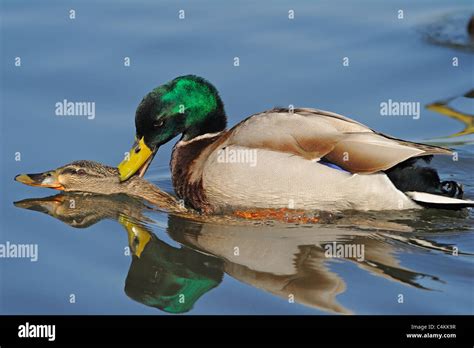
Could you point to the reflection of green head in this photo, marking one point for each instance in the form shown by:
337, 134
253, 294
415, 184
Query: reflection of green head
171, 279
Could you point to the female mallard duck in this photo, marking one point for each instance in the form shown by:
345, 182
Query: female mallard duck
93, 177
303, 158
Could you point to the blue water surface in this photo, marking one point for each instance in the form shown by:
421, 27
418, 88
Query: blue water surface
282, 61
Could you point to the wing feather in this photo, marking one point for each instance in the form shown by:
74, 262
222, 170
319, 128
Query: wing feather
314, 134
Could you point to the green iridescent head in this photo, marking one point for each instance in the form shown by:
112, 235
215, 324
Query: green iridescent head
188, 105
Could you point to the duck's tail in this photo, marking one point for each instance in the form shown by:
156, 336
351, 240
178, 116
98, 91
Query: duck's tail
430, 200
423, 185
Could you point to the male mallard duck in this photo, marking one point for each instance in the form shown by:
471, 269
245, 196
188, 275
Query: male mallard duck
302, 158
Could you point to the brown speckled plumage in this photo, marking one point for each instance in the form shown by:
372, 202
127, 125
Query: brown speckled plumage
94, 177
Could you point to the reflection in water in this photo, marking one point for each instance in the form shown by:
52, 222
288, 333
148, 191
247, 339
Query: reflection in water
168, 278
442, 107
160, 275
470, 27
81, 210
451, 30
288, 262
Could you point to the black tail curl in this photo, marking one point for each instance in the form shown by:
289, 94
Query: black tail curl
412, 175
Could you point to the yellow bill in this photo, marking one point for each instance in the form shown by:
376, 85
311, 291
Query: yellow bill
139, 158
138, 236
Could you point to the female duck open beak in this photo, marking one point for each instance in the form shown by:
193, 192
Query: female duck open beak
138, 160
46, 179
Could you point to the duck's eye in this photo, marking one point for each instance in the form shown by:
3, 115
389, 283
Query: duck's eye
81, 172
69, 171
159, 123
